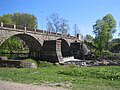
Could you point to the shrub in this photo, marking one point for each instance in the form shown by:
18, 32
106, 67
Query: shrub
4, 51
105, 54
45, 64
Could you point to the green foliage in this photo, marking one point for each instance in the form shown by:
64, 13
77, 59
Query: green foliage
45, 64
110, 73
85, 78
89, 38
103, 30
113, 56
114, 45
4, 50
90, 45
11, 44
109, 19
116, 41
6, 18
22, 19
106, 54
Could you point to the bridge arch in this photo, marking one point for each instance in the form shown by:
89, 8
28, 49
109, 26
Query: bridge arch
65, 47
35, 46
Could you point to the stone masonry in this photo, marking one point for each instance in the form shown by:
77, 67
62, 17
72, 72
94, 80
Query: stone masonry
43, 45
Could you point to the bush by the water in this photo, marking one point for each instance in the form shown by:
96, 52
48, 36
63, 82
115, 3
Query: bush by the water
110, 56
107, 55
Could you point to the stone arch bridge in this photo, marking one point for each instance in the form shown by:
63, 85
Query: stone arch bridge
43, 45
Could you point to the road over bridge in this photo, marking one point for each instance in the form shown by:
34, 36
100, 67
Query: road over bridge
43, 45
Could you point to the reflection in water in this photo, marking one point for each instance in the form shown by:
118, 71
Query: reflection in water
19, 56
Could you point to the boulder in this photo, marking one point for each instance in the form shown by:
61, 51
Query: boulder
28, 65
3, 58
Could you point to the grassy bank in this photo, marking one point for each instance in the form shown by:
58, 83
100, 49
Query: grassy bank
85, 78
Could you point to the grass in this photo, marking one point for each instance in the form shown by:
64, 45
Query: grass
85, 78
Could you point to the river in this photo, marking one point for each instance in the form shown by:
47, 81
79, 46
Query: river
16, 56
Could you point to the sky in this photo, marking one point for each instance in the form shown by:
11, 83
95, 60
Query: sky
84, 13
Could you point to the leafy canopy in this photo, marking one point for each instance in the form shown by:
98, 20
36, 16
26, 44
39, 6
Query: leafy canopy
22, 19
104, 30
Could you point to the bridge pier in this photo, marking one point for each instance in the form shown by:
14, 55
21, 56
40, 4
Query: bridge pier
52, 51
78, 50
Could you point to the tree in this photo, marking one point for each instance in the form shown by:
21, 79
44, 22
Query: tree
109, 19
22, 19
50, 26
76, 30
54, 22
88, 38
6, 18
104, 30
64, 27
25, 19
12, 44
57, 24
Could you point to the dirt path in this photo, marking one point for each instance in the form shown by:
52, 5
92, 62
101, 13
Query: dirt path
4, 85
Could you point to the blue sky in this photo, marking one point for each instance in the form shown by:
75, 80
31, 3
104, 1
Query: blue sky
84, 13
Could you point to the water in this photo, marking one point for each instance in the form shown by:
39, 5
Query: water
18, 56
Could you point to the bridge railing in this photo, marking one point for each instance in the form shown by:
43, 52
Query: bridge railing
19, 27
8, 26
13, 26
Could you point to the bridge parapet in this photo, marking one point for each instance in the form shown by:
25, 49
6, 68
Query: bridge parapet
33, 30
